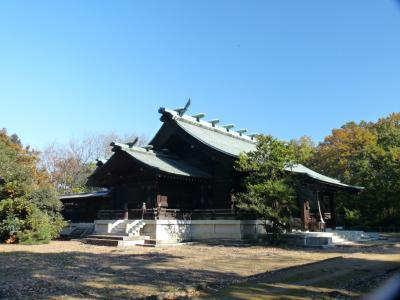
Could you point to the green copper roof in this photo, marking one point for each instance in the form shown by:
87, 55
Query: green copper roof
217, 137
233, 143
298, 168
162, 162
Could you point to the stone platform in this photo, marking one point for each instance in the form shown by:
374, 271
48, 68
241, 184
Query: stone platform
178, 231
117, 240
329, 238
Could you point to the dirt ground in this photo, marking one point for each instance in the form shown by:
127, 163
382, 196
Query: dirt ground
72, 270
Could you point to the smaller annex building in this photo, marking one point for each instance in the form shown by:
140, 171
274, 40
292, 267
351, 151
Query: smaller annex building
185, 176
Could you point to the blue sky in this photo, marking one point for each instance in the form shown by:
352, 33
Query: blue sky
287, 68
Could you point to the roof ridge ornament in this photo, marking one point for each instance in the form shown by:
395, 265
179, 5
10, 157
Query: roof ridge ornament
241, 131
133, 143
253, 135
213, 122
117, 146
199, 116
181, 110
99, 162
148, 147
228, 126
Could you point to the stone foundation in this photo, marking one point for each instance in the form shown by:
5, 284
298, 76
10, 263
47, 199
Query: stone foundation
175, 231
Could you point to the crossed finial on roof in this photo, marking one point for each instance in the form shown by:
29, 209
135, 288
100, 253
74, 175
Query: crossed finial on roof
181, 111
133, 143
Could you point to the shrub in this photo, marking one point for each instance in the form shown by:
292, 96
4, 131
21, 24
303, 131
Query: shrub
10, 225
352, 217
38, 229
32, 224
13, 213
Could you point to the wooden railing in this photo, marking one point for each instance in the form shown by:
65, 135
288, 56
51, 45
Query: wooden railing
168, 213
326, 216
133, 214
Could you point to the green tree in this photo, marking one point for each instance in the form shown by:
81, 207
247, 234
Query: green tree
268, 188
304, 149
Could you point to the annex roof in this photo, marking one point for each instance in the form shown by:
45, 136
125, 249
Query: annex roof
222, 139
162, 162
300, 169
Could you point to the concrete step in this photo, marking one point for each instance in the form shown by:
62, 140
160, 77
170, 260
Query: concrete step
150, 242
147, 245
354, 235
102, 242
349, 236
118, 237
77, 232
115, 240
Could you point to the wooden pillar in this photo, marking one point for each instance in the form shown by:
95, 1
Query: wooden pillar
233, 202
305, 215
126, 212
332, 207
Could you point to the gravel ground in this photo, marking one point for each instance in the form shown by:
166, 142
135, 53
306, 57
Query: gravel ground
72, 270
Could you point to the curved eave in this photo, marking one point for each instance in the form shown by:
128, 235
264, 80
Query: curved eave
317, 177
342, 186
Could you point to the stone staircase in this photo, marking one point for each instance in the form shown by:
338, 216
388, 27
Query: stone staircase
149, 243
123, 233
76, 232
115, 240
343, 237
330, 238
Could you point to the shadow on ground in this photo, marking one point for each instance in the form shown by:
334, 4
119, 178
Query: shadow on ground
105, 276
343, 278
118, 274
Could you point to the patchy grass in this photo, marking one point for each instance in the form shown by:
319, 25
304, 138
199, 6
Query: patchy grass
69, 269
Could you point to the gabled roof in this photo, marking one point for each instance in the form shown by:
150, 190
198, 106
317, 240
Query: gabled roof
300, 169
224, 140
216, 137
162, 162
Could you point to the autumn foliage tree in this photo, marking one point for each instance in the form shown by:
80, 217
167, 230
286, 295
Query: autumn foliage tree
29, 206
366, 154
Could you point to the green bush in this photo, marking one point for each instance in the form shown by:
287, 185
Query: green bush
13, 213
46, 201
352, 217
33, 223
38, 229
10, 225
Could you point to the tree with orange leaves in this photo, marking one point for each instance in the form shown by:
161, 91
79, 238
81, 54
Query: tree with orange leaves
366, 154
